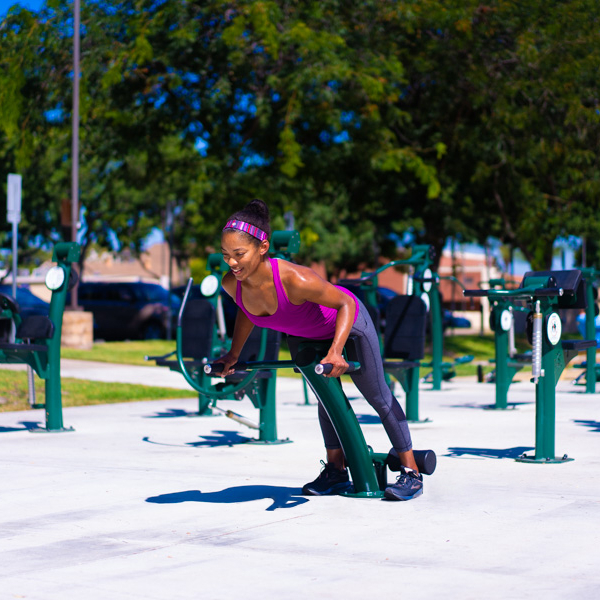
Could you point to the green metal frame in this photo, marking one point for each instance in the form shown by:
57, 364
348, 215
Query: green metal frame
409, 378
590, 275
507, 366
260, 391
424, 282
544, 297
420, 259
329, 391
46, 364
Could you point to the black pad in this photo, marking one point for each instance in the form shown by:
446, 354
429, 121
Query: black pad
570, 281
406, 321
36, 327
426, 461
20, 348
578, 344
251, 348
197, 326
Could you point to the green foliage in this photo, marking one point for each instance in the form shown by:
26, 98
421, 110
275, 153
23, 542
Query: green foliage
364, 118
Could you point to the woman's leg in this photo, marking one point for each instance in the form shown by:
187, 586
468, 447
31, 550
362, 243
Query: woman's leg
333, 447
370, 380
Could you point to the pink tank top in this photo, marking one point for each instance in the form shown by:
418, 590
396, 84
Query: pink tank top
309, 320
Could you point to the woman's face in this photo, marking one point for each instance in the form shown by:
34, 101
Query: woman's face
241, 253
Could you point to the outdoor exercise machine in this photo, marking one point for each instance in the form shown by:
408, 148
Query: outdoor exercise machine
545, 292
38, 337
368, 468
202, 333
428, 287
506, 359
403, 347
423, 283
591, 372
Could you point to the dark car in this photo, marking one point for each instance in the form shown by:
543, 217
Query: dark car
29, 305
28, 302
450, 320
128, 310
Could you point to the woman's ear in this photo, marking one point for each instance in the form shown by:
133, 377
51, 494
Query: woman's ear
264, 247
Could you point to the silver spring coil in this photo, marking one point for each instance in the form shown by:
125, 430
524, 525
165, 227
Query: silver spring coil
512, 350
536, 360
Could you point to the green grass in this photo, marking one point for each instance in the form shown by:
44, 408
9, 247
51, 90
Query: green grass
133, 352
78, 392
128, 353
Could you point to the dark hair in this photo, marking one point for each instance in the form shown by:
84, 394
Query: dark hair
256, 212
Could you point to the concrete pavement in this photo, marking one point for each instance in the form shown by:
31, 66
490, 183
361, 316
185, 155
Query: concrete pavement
144, 502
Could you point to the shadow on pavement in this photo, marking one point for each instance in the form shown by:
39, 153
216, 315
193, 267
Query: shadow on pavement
170, 413
221, 438
510, 405
488, 452
593, 425
283, 497
27, 426
368, 419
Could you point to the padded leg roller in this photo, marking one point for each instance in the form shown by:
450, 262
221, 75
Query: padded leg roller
426, 461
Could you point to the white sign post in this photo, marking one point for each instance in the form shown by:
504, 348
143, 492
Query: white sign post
13, 215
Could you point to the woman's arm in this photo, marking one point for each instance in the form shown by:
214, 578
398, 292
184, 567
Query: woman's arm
304, 285
241, 331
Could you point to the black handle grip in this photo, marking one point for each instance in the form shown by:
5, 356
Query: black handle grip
217, 368
475, 293
213, 369
326, 368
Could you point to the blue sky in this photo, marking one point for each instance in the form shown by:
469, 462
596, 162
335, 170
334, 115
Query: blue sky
32, 4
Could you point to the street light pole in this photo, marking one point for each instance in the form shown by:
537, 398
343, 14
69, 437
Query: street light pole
75, 137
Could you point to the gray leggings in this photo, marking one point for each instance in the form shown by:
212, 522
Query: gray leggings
370, 381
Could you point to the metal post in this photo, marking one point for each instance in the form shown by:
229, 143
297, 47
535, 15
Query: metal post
503, 378
75, 137
169, 230
552, 365
412, 395
64, 254
268, 411
15, 239
590, 334
437, 337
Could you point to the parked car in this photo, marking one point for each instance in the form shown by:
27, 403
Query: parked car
29, 305
128, 310
28, 302
451, 320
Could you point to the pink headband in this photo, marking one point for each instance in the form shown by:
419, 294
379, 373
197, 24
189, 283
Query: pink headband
254, 231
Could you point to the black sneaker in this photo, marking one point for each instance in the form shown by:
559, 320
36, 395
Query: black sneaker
408, 486
330, 481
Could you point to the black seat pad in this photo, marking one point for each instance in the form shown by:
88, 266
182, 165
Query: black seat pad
406, 320
36, 327
23, 347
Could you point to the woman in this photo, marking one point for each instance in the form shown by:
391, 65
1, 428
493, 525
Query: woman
293, 299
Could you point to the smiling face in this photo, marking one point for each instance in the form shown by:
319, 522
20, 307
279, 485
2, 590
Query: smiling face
242, 253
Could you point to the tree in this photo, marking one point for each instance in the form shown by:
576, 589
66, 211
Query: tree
363, 118
510, 90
